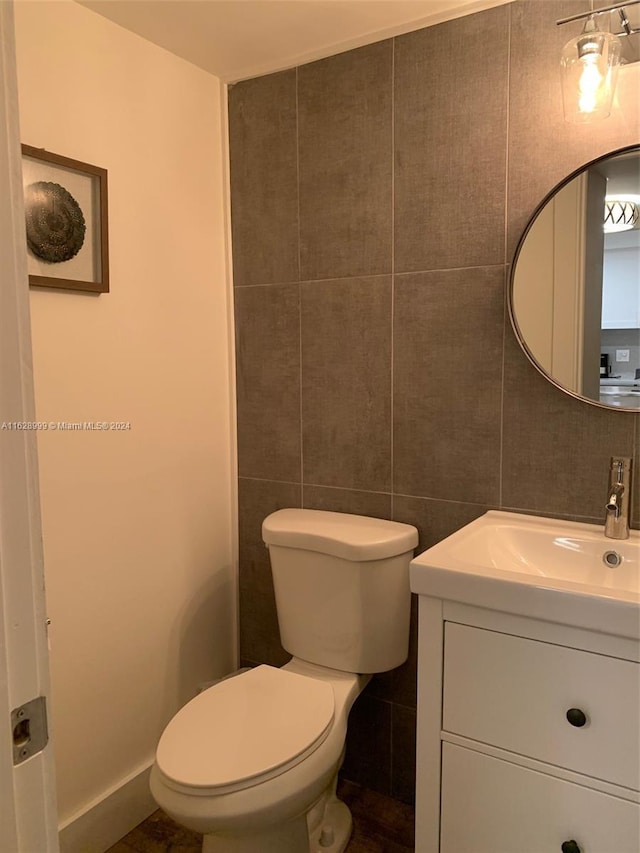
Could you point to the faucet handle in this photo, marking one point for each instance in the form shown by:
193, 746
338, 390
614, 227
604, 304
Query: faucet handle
619, 465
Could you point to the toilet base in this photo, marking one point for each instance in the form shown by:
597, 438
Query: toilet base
333, 835
291, 837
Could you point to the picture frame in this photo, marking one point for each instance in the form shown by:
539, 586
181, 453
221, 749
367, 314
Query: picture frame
66, 221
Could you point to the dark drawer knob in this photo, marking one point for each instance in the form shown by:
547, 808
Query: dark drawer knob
570, 847
577, 718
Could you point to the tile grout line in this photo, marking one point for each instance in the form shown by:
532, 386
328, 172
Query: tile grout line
505, 283
368, 276
300, 383
298, 171
393, 270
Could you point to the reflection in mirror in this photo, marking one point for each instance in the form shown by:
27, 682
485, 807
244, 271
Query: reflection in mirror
575, 287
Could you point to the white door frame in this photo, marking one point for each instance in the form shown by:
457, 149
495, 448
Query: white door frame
28, 819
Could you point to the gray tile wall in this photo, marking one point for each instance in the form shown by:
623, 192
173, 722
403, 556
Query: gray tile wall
377, 198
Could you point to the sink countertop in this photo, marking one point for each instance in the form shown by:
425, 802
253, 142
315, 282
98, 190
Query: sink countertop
537, 567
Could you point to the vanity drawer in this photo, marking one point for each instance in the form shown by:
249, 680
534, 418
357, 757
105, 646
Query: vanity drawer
493, 806
514, 693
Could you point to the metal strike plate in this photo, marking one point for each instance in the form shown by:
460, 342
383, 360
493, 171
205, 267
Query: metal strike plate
29, 729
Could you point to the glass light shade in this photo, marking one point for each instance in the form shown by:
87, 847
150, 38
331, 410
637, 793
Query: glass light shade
589, 66
621, 214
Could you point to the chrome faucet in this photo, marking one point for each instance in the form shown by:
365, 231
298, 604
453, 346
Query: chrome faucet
616, 522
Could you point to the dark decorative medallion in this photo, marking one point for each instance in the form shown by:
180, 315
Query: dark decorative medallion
55, 223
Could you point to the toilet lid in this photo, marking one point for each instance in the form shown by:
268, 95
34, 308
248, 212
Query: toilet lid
256, 724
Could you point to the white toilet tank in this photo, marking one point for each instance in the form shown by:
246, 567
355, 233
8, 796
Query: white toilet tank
342, 587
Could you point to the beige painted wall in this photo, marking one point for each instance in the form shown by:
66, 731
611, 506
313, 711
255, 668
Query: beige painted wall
138, 524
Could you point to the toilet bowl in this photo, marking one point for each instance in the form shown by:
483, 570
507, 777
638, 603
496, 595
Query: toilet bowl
277, 794
252, 762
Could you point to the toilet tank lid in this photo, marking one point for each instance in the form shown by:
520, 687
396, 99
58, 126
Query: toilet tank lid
351, 537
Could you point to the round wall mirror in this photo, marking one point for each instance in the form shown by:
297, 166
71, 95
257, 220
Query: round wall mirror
574, 298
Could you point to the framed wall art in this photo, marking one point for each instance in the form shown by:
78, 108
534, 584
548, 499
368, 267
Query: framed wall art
65, 205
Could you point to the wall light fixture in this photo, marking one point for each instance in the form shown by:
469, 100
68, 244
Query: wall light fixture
621, 213
590, 62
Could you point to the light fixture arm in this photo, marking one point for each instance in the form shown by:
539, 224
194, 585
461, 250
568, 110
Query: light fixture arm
627, 30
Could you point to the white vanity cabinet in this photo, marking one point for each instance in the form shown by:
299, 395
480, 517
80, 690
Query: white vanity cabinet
491, 805
528, 735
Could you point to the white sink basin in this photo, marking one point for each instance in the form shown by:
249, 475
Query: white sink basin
561, 571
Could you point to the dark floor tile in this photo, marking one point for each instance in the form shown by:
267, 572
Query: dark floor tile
363, 841
121, 847
159, 834
380, 823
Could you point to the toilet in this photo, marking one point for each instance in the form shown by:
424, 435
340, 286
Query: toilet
252, 762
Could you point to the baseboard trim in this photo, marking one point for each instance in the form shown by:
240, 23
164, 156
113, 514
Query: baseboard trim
109, 817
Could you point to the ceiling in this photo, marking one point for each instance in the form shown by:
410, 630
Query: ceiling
236, 39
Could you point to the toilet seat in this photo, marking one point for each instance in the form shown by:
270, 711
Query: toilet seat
245, 730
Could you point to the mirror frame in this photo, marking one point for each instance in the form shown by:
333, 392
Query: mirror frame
514, 323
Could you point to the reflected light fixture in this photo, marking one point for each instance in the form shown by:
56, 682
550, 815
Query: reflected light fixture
621, 213
590, 62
